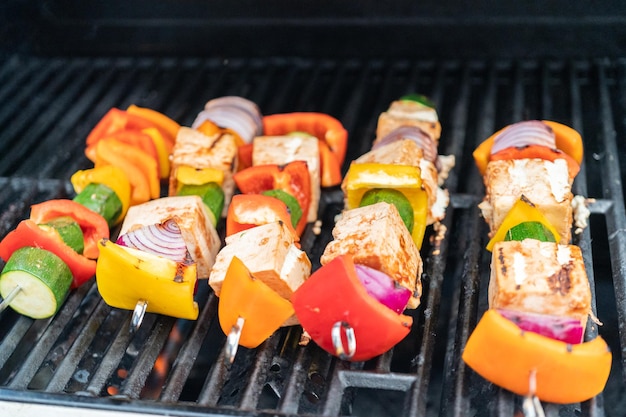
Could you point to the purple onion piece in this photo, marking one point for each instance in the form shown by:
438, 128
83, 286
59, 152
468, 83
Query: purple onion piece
163, 239
530, 132
417, 135
384, 289
236, 113
565, 329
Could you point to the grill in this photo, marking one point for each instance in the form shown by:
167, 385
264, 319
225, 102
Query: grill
86, 358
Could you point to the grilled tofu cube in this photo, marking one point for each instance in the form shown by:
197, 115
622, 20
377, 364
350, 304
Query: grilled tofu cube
375, 236
269, 253
539, 277
408, 113
545, 183
192, 217
284, 149
197, 150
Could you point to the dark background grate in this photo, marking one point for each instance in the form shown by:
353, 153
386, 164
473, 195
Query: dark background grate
85, 355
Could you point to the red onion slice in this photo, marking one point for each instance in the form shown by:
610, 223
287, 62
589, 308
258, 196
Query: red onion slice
417, 135
384, 289
565, 329
163, 239
530, 132
232, 112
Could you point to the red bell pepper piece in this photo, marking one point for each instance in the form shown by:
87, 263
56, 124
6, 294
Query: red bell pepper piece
539, 152
28, 233
93, 225
376, 327
249, 210
292, 178
330, 132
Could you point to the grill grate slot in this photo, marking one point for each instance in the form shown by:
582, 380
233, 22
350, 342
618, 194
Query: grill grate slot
86, 356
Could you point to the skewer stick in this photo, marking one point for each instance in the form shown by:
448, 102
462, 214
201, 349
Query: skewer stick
7, 301
232, 341
138, 314
338, 342
531, 404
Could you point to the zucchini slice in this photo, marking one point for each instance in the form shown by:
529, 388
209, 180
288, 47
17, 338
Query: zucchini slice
69, 230
44, 280
212, 196
391, 196
101, 199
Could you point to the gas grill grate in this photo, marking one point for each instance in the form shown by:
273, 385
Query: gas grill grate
85, 355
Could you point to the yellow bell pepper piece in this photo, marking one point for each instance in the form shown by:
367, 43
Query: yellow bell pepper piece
522, 211
243, 295
362, 177
126, 275
198, 176
109, 175
162, 151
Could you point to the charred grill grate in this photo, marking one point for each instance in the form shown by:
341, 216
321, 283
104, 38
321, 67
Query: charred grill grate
85, 356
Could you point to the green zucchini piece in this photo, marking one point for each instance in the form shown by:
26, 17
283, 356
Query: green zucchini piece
69, 230
419, 98
391, 196
101, 199
295, 211
530, 230
212, 196
44, 280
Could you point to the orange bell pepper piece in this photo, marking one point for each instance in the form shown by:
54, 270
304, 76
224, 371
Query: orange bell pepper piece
330, 132
539, 152
134, 138
502, 353
141, 169
92, 224
168, 126
376, 327
244, 296
249, 210
162, 149
567, 139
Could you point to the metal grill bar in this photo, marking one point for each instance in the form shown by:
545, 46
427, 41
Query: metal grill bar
86, 352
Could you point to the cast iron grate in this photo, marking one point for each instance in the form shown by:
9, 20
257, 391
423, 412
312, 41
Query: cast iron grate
85, 356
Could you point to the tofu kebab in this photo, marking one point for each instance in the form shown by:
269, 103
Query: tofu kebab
261, 265
166, 245
530, 340
373, 264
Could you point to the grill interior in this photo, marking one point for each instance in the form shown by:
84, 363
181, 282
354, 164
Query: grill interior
85, 355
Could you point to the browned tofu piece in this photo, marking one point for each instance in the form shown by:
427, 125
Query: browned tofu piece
539, 277
375, 236
545, 183
408, 113
284, 149
192, 217
197, 150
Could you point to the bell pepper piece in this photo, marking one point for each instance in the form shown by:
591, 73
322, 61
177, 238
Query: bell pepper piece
292, 178
140, 169
28, 233
502, 353
137, 139
243, 295
162, 150
539, 152
209, 128
362, 177
333, 138
126, 275
244, 154
198, 176
161, 121
116, 120
376, 327
567, 140
109, 175
522, 211
93, 225
249, 210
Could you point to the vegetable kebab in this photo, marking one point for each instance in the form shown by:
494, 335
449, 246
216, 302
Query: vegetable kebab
55, 250
167, 244
530, 340
257, 272
392, 194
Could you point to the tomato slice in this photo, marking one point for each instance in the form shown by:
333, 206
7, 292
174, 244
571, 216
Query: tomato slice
292, 178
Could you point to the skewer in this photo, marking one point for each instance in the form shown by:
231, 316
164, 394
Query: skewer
232, 341
138, 314
338, 342
7, 301
531, 404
